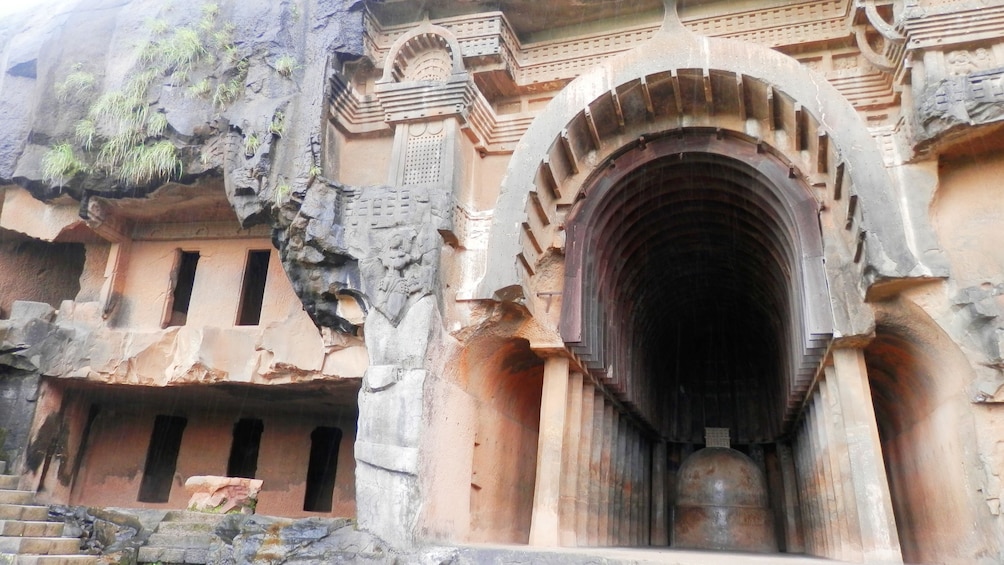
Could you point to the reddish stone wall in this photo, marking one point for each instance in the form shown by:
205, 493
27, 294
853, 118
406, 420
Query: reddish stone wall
218, 282
38, 271
113, 463
923, 425
506, 381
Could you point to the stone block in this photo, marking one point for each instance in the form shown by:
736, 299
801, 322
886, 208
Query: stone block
25, 310
223, 495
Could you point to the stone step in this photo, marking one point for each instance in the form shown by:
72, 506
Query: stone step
189, 516
148, 554
178, 528
55, 560
9, 482
3, 467
31, 529
39, 546
16, 497
28, 512
180, 540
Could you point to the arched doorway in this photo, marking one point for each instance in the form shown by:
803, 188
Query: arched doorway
918, 379
692, 284
708, 221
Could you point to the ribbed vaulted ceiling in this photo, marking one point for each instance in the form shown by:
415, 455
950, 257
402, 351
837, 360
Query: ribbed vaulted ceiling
692, 295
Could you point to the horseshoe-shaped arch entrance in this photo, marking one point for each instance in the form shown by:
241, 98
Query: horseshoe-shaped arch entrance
712, 202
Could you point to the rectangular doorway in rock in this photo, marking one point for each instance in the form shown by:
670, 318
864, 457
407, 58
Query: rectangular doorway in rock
321, 469
184, 283
244, 449
162, 458
253, 288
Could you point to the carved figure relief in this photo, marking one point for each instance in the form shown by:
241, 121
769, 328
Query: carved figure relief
379, 244
405, 274
965, 62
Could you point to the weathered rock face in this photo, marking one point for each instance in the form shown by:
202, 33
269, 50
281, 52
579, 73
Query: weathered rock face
348, 249
115, 535
214, 89
243, 540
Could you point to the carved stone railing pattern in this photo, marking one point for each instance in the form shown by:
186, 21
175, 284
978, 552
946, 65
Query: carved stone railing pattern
953, 26
546, 66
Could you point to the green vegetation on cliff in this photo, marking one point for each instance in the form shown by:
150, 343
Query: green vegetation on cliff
122, 134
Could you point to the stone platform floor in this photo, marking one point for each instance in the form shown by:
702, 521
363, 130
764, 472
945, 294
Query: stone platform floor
518, 555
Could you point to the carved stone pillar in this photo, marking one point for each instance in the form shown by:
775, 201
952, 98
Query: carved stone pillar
584, 465
617, 480
570, 460
660, 518
879, 539
792, 510
544, 524
609, 437
596, 468
841, 464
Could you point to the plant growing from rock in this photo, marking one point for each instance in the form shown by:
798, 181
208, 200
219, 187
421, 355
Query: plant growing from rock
76, 84
251, 144
282, 192
278, 123
84, 132
145, 163
229, 91
180, 52
156, 124
285, 65
122, 134
60, 163
200, 89
158, 26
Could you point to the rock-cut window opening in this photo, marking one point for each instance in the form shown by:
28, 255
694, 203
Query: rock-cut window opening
321, 468
184, 285
243, 460
162, 458
253, 288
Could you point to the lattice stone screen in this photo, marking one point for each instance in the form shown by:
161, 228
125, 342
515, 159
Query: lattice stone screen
717, 437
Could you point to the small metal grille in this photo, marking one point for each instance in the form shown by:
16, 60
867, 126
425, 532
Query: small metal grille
717, 437
423, 159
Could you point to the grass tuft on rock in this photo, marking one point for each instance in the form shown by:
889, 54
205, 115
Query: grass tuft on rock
182, 50
156, 124
60, 163
285, 65
145, 163
76, 85
84, 132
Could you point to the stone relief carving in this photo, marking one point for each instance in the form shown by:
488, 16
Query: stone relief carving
406, 272
964, 62
376, 244
954, 101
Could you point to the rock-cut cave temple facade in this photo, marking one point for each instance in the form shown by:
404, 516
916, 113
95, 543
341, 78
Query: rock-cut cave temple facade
695, 273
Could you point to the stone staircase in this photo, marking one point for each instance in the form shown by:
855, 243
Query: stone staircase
27, 537
181, 537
